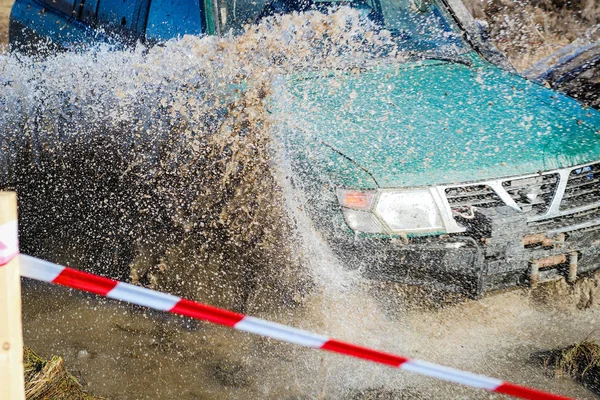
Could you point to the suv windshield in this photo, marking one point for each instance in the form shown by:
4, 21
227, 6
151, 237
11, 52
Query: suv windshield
416, 25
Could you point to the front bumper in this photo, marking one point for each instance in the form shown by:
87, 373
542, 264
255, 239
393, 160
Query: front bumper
501, 253
448, 264
514, 231
517, 252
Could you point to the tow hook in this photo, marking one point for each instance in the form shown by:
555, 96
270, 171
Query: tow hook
543, 240
553, 261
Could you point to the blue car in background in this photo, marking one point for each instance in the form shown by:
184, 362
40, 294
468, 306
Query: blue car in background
67, 24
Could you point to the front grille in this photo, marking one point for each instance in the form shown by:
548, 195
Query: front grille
481, 196
537, 197
579, 221
534, 194
583, 187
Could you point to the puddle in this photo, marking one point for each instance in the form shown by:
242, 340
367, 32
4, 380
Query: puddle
125, 352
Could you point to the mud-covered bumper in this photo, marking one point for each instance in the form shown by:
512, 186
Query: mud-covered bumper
498, 251
517, 252
451, 264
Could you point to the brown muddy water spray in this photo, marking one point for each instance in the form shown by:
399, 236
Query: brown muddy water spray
158, 166
137, 154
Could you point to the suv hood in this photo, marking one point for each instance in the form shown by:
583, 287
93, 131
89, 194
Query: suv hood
436, 122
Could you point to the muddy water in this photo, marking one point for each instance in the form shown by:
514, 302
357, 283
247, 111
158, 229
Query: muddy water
123, 352
130, 353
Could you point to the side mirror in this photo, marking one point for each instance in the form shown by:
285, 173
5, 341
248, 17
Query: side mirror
484, 29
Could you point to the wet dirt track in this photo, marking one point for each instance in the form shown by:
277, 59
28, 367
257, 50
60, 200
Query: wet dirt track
125, 352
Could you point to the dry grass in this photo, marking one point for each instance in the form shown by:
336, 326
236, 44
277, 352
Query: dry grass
527, 31
48, 379
5, 6
580, 361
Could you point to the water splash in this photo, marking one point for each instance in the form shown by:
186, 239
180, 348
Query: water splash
150, 162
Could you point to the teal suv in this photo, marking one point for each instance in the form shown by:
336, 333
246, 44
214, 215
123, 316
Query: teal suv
457, 170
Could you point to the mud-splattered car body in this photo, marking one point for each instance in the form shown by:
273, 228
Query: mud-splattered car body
523, 197
574, 70
459, 171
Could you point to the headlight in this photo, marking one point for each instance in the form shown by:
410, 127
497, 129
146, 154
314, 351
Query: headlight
410, 211
357, 206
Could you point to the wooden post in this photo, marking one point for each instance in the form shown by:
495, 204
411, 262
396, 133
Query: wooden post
12, 386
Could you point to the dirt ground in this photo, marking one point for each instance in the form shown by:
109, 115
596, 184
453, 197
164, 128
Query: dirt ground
125, 352
527, 31
5, 6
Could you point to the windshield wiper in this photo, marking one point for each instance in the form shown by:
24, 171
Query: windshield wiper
450, 59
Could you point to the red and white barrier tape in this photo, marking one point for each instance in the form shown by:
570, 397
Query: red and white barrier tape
9, 242
45, 271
